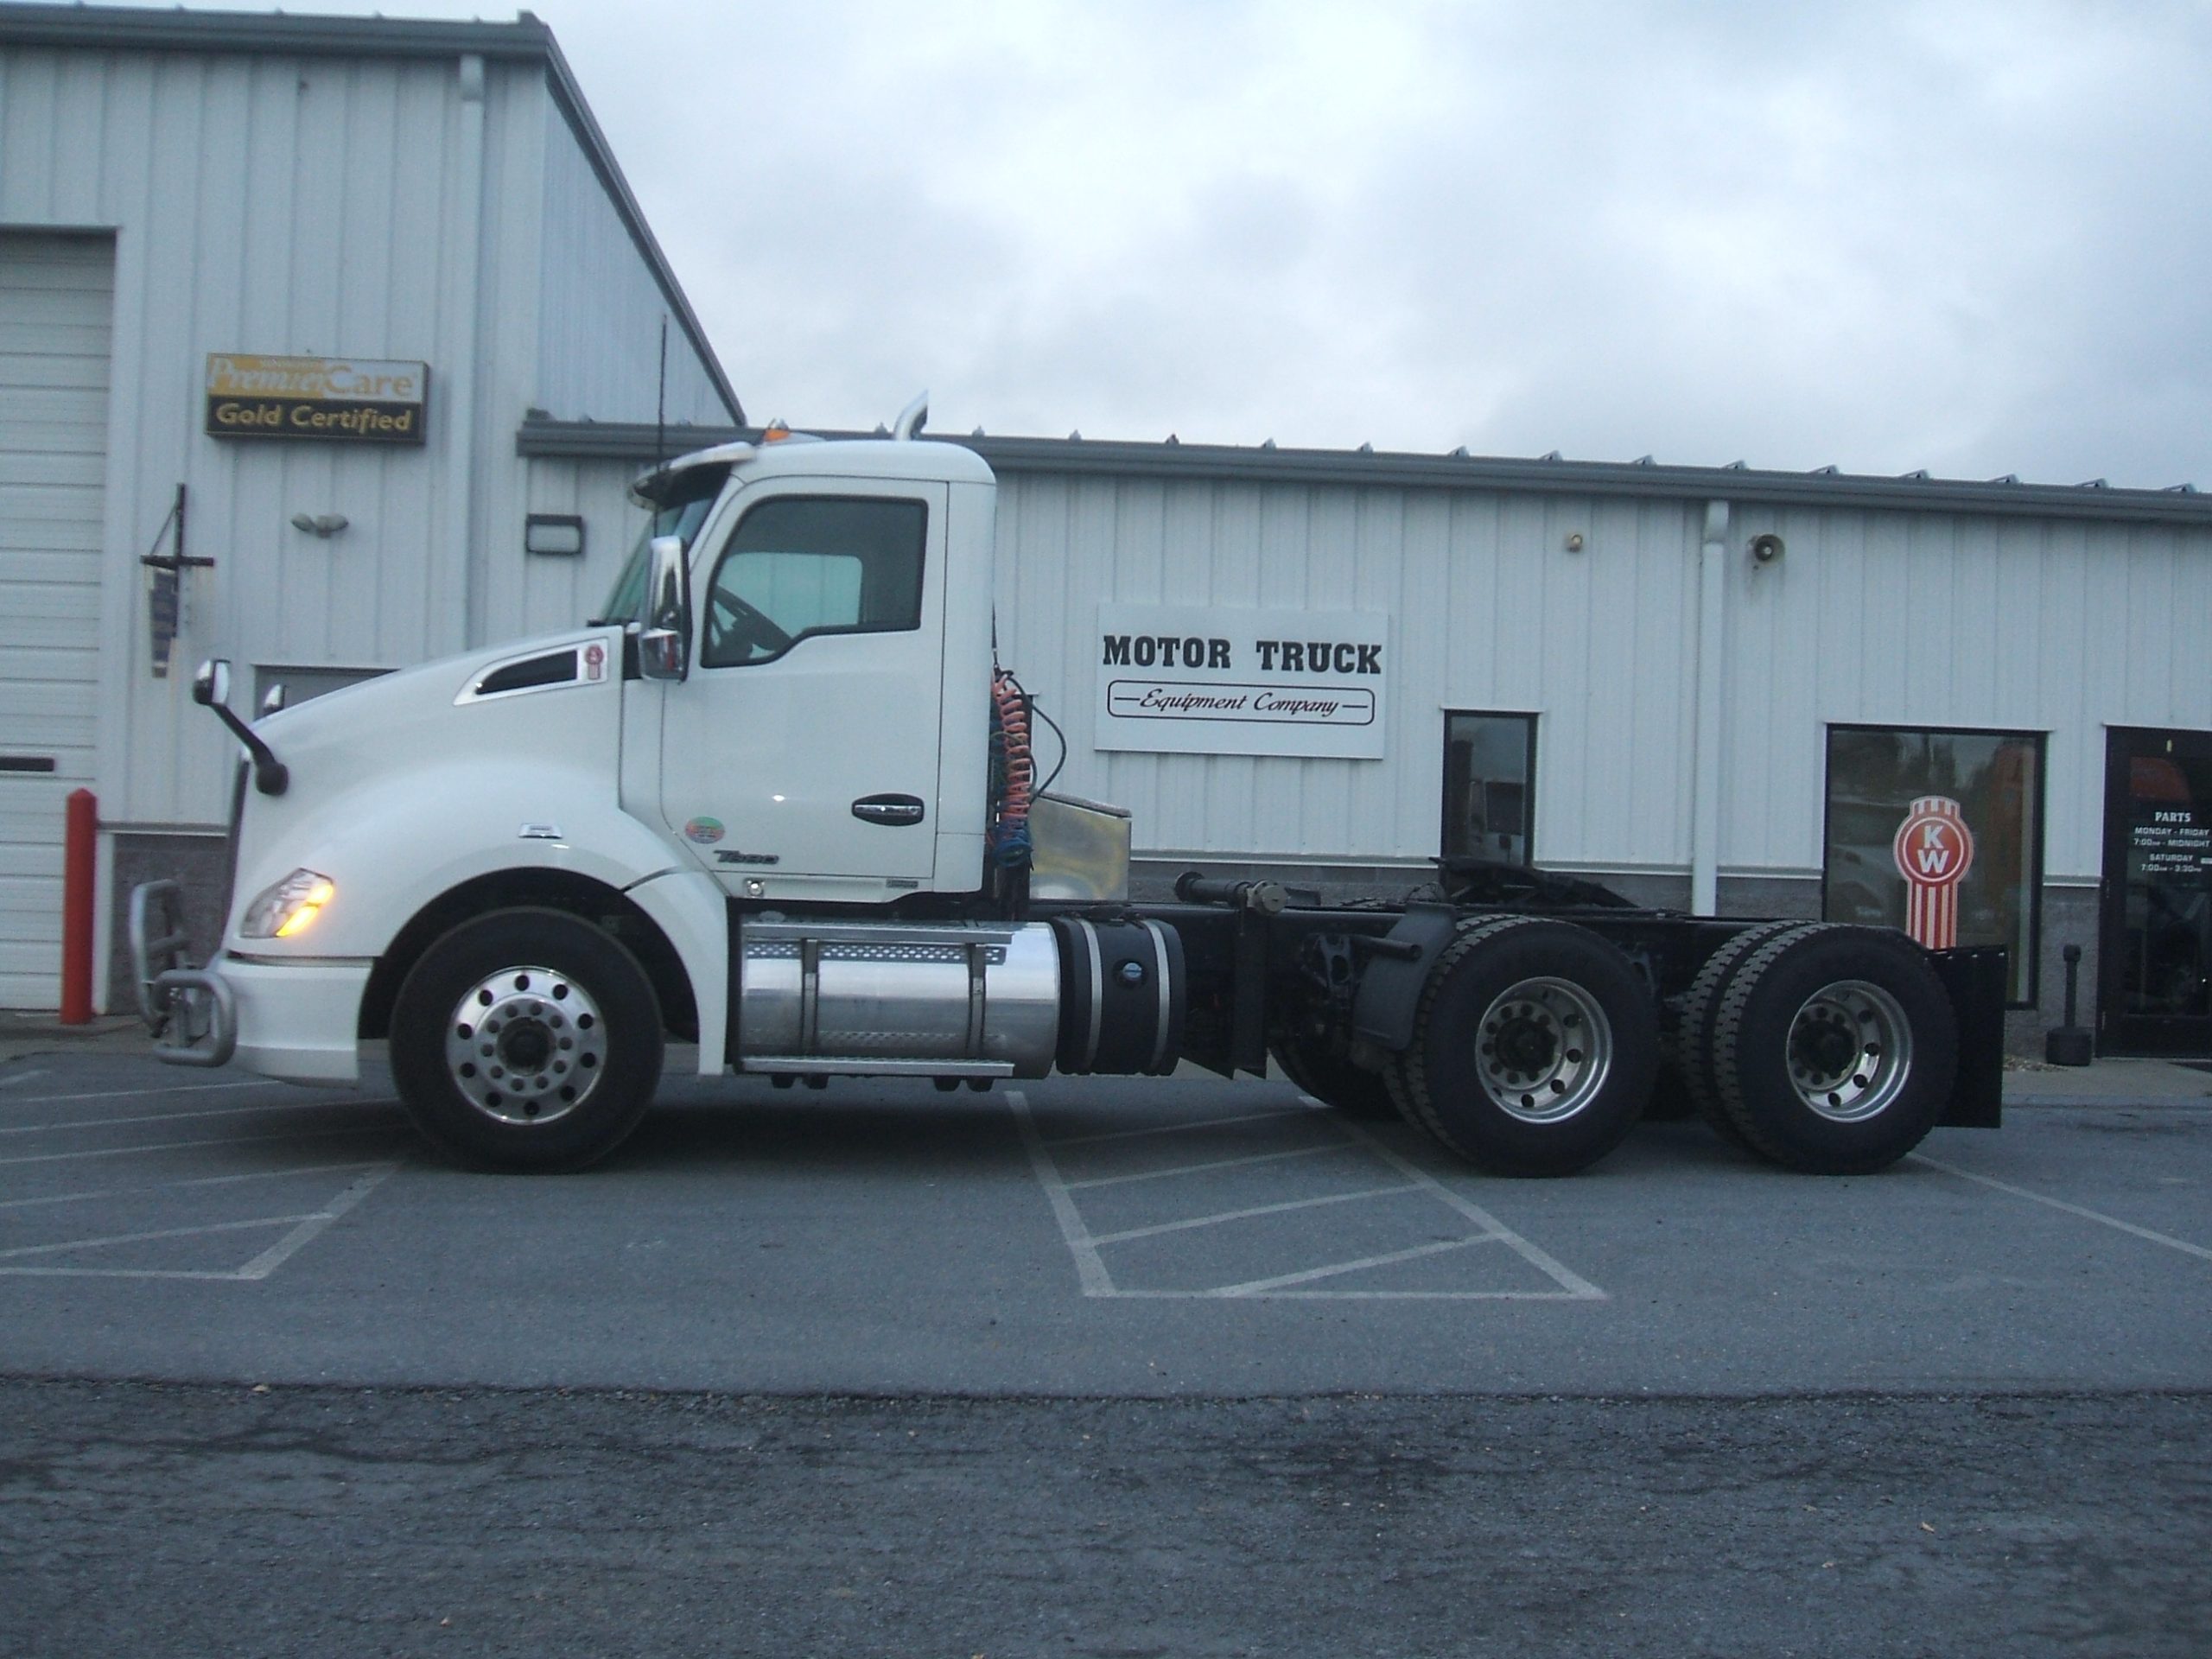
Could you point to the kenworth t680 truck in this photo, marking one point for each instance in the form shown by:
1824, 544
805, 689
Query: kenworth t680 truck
778, 800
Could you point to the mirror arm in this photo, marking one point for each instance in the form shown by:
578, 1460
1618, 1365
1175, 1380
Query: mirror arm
270, 775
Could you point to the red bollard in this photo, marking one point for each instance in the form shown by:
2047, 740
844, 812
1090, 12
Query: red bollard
79, 843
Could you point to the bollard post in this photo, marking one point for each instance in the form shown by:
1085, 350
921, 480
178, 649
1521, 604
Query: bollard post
78, 850
2070, 1045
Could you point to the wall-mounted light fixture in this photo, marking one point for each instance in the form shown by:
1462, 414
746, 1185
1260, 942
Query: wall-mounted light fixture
324, 525
559, 533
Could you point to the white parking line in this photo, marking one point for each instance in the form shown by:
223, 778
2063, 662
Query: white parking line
1575, 1286
1198, 1169
145, 1188
1175, 1128
158, 1117
174, 1089
304, 1231
176, 1146
1093, 1276
1283, 1281
1246, 1215
2182, 1245
22, 1077
143, 1238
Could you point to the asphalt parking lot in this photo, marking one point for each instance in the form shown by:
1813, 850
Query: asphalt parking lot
1102, 1238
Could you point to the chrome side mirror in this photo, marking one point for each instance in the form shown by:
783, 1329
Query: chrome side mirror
210, 686
664, 646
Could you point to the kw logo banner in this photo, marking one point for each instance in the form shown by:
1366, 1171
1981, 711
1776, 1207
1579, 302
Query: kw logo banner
1934, 849
335, 399
1187, 680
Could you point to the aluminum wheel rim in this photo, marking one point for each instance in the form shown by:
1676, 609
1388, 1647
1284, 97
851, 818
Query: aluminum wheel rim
525, 1044
1543, 1050
1850, 1051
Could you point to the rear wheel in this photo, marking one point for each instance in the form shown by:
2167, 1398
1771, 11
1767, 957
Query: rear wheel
526, 1040
1834, 1050
1690, 1030
1535, 1046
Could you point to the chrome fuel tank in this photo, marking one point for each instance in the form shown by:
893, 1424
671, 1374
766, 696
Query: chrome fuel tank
923, 1000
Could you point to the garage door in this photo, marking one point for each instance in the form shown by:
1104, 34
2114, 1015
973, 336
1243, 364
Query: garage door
56, 294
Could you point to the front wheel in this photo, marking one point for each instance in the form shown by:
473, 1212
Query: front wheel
526, 1041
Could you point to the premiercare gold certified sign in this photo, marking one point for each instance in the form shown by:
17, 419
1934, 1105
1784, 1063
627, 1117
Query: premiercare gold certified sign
340, 399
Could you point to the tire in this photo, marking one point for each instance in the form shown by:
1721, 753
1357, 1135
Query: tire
1535, 1048
1835, 1049
1335, 1082
526, 1041
1689, 1031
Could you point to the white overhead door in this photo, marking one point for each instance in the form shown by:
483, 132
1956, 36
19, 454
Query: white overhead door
56, 297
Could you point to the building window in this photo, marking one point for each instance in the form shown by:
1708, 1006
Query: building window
1490, 779
1939, 833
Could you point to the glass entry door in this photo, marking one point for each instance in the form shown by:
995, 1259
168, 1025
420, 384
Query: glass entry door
2155, 975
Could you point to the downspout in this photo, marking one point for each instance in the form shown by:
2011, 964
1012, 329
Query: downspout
1711, 667
464, 303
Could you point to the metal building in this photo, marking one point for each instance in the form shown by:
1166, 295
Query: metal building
1713, 688
277, 293
1978, 711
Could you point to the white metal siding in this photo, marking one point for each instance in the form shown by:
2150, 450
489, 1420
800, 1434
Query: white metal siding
600, 342
56, 296
284, 204
1487, 610
2060, 627
2057, 626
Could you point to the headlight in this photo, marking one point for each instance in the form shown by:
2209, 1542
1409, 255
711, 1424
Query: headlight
286, 910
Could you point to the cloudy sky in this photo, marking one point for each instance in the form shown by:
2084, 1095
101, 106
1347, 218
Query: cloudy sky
1973, 238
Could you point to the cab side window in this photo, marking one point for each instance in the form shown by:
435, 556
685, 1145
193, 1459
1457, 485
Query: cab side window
801, 565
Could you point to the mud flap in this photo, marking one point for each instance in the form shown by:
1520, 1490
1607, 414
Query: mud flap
1974, 980
1398, 965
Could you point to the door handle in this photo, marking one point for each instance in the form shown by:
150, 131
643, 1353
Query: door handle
891, 810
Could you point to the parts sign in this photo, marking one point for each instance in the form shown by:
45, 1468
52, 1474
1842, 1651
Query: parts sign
1181, 681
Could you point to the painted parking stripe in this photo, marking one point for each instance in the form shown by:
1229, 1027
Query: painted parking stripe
145, 1188
22, 1077
1246, 1215
182, 1146
173, 1089
2172, 1243
68, 1244
1284, 1281
1089, 1266
1198, 1169
1174, 1129
1095, 1280
303, 1232
169, 1118
1567, 1279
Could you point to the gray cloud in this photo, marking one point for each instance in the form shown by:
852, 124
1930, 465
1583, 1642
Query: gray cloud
1964, 236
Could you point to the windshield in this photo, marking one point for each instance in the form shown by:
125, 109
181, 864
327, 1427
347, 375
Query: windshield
687, 498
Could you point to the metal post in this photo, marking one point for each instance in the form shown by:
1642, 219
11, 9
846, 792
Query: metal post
79, 844
2070, 1044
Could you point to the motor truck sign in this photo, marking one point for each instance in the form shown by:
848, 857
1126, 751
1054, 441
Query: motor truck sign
1176, 680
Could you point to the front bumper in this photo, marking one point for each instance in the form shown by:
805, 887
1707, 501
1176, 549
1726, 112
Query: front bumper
297, 1020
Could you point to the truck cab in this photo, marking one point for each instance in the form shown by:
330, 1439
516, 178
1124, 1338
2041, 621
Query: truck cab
826, 740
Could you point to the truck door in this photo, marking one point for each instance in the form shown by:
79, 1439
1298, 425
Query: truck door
804, 741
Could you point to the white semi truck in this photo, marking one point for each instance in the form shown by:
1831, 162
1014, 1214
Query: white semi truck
777, 802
